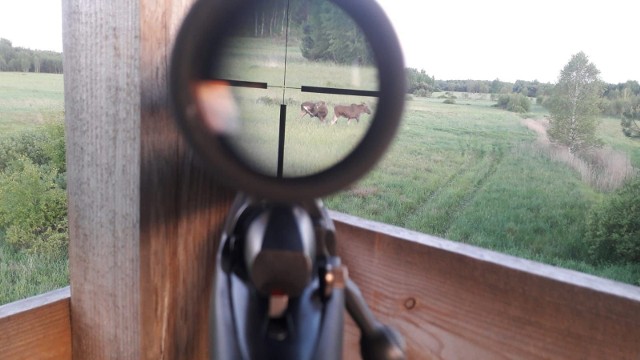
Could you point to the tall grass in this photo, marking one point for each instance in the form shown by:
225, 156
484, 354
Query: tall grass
24, 274
605, 169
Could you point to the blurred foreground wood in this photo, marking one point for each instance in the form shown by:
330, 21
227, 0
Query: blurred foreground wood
449, 300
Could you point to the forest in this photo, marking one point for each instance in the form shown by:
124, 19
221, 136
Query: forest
329, 36
620, 100
26, 60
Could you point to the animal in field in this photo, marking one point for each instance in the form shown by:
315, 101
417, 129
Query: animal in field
350, 112
314, 109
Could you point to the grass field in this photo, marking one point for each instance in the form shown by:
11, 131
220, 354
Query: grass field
472, 173
28, 99
468, 172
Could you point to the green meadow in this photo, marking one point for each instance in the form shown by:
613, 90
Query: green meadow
472, 173
28, 100
467, 172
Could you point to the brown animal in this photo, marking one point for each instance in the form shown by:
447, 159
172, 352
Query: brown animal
314, 109
352, 111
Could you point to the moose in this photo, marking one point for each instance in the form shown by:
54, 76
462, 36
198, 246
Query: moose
314, 109
352, 111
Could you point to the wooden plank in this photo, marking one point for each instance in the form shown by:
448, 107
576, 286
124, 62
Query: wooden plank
182, 208
454, 301
144, 218
102, 112
36, 328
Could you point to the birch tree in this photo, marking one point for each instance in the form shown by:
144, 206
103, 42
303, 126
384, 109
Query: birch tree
574, 106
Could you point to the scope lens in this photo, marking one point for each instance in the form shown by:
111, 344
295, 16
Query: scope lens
294, 88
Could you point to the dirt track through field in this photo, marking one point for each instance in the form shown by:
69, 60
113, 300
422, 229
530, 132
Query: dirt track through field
604, 168
539, 126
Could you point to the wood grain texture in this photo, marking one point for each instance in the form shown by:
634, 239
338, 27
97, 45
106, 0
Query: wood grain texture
144, 217
454, 301
182, 208
102, 112
36, 328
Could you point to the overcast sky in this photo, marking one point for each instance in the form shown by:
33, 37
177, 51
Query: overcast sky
510, 40
34, 24
461, 39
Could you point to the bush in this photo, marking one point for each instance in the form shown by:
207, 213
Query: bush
449, 101
33, 202
613, 227
27, 144
422, 93
43, 146
514, 102
33, 208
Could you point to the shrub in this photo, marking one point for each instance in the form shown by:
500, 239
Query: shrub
449, 101
27, 144
514, 102
43, 146
54, 146
33, 208
422, 93
613, 227
266, 100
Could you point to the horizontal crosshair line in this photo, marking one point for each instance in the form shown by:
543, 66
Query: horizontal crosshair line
310, 89
247, 84
339, 91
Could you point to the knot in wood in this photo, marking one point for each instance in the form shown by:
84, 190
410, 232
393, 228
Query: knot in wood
410, 303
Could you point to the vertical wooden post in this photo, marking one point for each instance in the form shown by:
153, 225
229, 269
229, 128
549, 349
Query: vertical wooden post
144, 217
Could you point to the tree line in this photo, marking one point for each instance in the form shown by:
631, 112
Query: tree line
419, 82
322, 30
617, 100
27, 60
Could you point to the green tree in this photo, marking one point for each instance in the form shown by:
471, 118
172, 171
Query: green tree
496, 86
330, 35
630, 118
419, 80
574, 106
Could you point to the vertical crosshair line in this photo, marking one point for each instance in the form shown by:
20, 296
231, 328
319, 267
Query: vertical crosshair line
283, 121
283, 106
286, 53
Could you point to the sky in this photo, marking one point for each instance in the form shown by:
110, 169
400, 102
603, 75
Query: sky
511, 40
33, 24
462, 39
